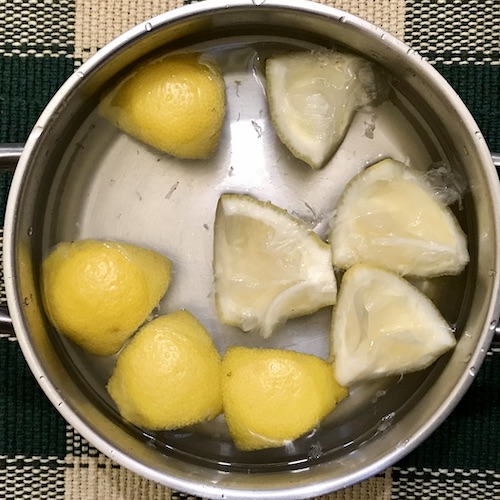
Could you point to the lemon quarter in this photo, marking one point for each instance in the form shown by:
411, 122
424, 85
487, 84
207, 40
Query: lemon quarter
313, 97
268, 265
273, 396
169, 375
98, 293
382, 325
176, 104
389, 216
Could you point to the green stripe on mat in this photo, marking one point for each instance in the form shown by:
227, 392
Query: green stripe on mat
26, 86
5, 180
478, 86
30, 425
469, 438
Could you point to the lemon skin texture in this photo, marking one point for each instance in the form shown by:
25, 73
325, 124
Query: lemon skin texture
169, 375
176, 104
98, 293
273, 396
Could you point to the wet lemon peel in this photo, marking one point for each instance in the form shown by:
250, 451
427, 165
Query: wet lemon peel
176, 104
273, 396
169, 375
97, 293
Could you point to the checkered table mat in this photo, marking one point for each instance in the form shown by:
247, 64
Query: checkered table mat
41, 43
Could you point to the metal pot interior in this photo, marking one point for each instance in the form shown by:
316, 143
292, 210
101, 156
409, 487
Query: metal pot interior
79, 177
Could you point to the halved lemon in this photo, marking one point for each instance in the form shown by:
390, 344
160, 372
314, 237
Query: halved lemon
382, 325
389, 216
313, 97
176, 104
169, 375
273, 396
268, 265
98, 293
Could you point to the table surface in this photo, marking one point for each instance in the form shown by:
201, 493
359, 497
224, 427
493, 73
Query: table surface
41, 44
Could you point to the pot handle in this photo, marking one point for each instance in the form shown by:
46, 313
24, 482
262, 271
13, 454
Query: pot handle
496, 160
9, 156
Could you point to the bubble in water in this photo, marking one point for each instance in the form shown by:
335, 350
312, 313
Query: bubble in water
386, 422
472, 371
378, 394
448, 184
315, 451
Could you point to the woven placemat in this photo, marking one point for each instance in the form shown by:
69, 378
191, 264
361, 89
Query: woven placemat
41, 44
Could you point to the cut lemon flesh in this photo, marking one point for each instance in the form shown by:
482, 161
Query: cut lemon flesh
382, 325
389, 216
268, 265
273, 396
313, 97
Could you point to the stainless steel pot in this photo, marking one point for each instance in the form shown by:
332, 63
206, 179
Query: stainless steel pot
78, 177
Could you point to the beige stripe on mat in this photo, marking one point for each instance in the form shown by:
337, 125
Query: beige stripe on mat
98, 22
387, 14
98, 478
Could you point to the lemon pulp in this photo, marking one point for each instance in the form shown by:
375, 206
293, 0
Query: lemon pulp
268, 265
313, 97
382, 325
389, 216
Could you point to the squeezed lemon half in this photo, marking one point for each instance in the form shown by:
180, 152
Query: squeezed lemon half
313, 97
382, 325
389, 216
268, 265
98, 293
273, 396
169, 375
176, 104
